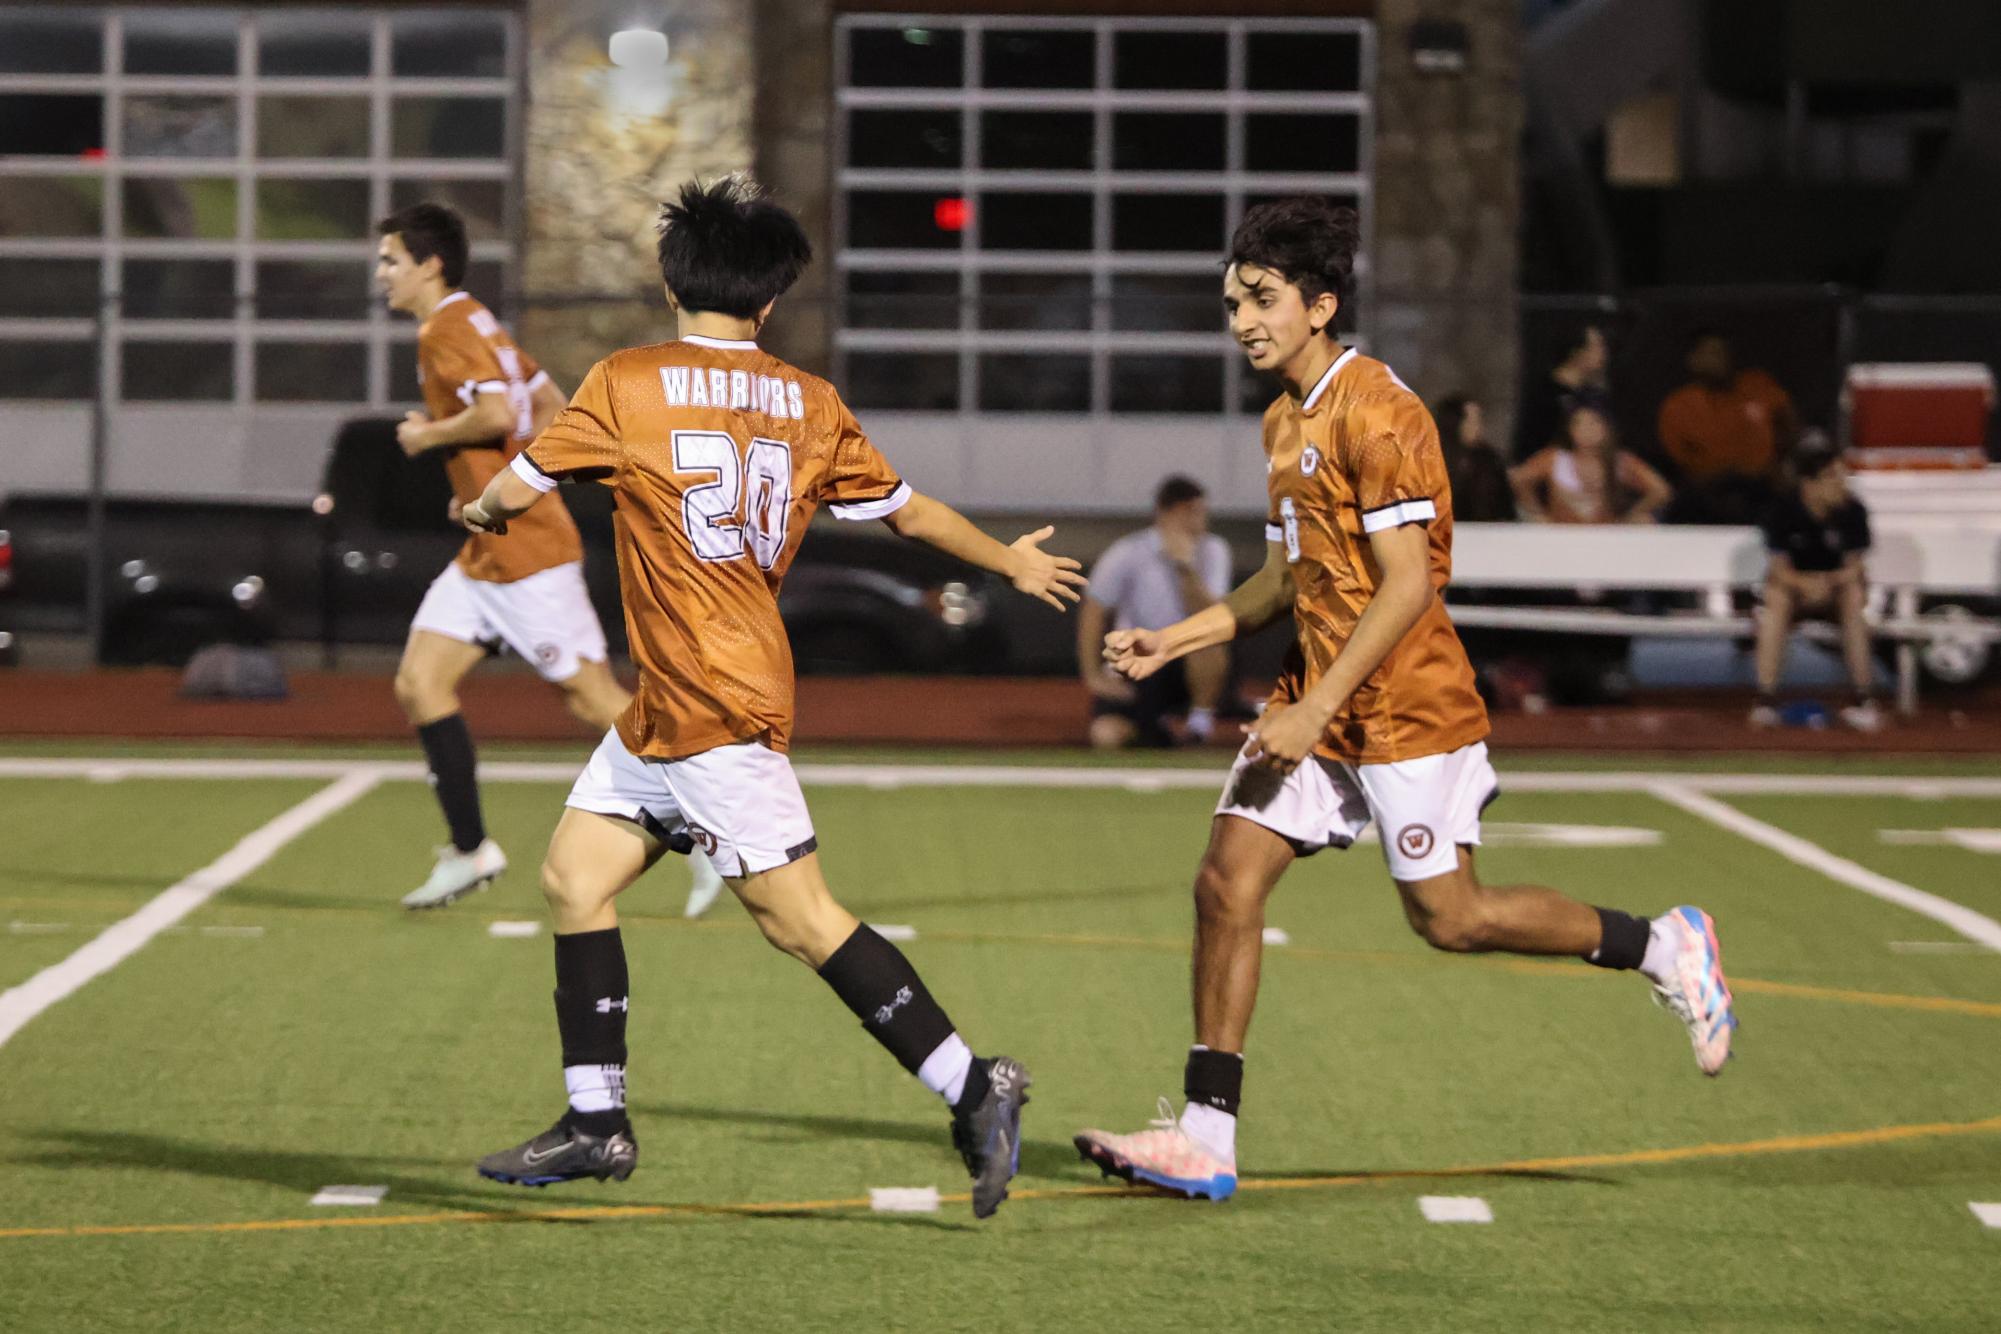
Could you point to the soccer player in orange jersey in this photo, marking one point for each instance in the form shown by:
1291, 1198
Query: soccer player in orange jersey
1375, 717
719, 454
485, 398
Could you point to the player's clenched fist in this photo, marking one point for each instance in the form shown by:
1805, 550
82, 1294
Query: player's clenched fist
1135, 654
1285, 735
1041, 575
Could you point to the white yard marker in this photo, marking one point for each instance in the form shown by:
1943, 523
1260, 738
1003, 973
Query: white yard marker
1276, 936
1990, 1214
1973, 840
121, 940
889, 931
903, 1199
350, 1195
36, 928
1455, 1209
512, 930
1974, 926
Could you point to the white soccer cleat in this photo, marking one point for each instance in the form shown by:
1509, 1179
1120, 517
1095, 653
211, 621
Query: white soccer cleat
458, 874
1164, 1156
708, 886
1695, 990
1863, 717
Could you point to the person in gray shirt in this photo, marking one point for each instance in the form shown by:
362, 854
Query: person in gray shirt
1156, 577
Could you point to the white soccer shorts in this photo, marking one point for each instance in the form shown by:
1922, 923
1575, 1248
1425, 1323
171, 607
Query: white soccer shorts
741, 803
546, 618
1424, 809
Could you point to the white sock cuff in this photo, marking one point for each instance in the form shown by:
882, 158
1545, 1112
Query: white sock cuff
595, 1088
944, 1070
1212, 1128
1657, 965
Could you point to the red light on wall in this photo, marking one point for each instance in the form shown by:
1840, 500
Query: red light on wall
952, 214
92, 155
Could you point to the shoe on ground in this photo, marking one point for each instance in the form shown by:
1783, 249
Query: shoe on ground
1765, 715
1163, 1156
1863, 717
458, 874
564, 1152
989, 1136
707, 888
1696, 992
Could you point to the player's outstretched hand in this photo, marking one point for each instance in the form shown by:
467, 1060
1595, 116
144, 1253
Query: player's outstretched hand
1134, 654
1041, 575
475, 519
1284, 735
410, 433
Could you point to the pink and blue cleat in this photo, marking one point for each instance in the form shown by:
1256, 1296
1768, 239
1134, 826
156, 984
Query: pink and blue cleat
1695, 990
1164, 1156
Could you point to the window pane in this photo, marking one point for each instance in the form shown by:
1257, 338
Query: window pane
52, 206
1167, 222
312, 210
896, 220
1035, 301
312, 127
483, 204
51, 124
1048, 140
906, 58
911, 381
904, 139
1179, 302
181, 372
1058, 383
312, 289
43, 369
878, 300
313, 44
165, 125
184, 41
38, 42
1175, 142
1063, 59
1302, 143
35, 288
1170, 60
179, 289
1035, 222
451, 45
403, 385
312, 372
195, 208
449, 127
1167, 384
1304, 62
486, 280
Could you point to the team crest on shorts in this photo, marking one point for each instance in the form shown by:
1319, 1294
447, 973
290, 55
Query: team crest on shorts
1309, 461
1415, 841
546, 654
704, 838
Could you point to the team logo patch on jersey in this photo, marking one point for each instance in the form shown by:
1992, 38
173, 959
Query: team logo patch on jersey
1309, 461
1415, 841
546, 654
704, 838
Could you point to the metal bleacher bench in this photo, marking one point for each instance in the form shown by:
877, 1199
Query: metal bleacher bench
1915, 557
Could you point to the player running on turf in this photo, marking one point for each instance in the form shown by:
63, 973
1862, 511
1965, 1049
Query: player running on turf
719, 454
1375, 717
485, 399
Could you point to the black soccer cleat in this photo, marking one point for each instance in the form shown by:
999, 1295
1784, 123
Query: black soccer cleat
564, 1152
989, 1136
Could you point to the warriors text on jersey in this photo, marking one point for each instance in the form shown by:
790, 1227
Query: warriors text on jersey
719, 454
1360, 454
462, 352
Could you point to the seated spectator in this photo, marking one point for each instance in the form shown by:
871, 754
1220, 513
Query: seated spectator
1816, 536
1586, 478
1581, 374
1152, 578
1479, 476
1725, 432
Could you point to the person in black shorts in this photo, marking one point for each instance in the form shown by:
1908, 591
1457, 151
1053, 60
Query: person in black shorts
1817, 535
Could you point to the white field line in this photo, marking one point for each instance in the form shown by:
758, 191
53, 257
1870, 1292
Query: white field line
1968, 923
19, 1005
891, 776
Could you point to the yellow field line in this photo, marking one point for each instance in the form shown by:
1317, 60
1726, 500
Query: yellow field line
1840, 1139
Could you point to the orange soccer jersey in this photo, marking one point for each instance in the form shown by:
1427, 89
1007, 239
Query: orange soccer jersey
462, 351
719, 454
1358, 455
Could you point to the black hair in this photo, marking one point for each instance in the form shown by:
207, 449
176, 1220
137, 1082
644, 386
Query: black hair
427, 230
1569, 405
726, 248
1581, 336
1704, 333
1450, 415
1814, 457
1310, 242
1177, 490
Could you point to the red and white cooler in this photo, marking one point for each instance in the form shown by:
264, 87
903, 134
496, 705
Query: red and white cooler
1918, 414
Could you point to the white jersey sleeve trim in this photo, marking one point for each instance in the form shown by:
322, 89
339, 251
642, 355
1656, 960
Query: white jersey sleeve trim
534, 476
874, 509
537, 380
1274, 533
1395, 516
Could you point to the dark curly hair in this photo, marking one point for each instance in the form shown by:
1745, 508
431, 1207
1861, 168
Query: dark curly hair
1310, 242
726, 248
431, 229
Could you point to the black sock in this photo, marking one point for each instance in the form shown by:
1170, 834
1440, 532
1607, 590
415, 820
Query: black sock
1623, 939
448, 751
873, 979
977, 1084
591, 1005
1214, 1079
